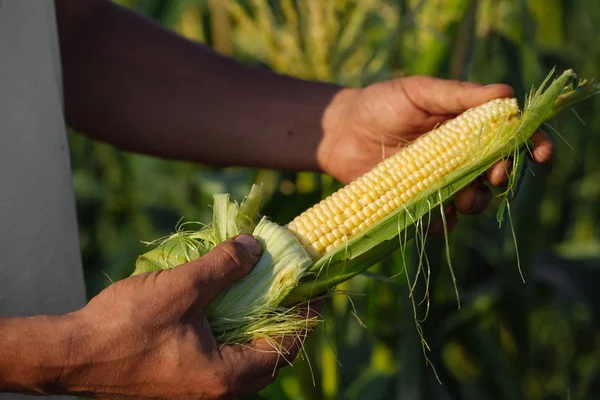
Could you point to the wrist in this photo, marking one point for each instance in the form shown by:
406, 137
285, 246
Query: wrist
337, 112
298, 115
36, 353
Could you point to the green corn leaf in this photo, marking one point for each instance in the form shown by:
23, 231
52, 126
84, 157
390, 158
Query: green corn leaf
247, 216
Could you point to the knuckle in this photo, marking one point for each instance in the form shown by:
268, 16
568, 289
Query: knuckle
467, 84
221, 385
233, 253
422, 78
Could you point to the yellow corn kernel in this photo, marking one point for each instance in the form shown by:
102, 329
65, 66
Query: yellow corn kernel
398, 179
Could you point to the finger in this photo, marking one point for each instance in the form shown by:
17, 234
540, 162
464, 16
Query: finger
543, 147
281, 351
257, 384
227, 263
440, 96
266, 356
473, 199
431, 122
436, 227
498, 174
260, 358
542, 151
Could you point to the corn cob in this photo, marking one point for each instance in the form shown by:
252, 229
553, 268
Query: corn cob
398, 179
356, 227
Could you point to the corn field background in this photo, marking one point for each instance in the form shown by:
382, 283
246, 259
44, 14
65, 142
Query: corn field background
509, 340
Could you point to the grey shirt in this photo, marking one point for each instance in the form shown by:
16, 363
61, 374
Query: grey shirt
40, 269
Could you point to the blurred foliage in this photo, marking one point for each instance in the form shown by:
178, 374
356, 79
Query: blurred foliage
509, 340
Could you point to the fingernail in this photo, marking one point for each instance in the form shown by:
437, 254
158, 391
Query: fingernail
251, 245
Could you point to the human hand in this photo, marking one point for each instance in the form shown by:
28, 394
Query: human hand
147, 337
365, 124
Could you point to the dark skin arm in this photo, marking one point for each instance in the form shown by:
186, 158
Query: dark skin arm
33, 352
131, 83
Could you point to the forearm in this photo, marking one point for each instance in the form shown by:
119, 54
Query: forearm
33, 353
133, 84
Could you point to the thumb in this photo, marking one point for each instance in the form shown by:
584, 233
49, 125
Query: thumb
442, 97
225, 264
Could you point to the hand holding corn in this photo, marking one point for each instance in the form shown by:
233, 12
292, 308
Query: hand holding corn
148, 337
381, 119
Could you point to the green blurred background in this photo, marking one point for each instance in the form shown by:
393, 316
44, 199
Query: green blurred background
509, 340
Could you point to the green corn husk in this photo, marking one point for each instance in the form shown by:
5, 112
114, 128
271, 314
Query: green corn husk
278, 271
266, 302
249, 308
